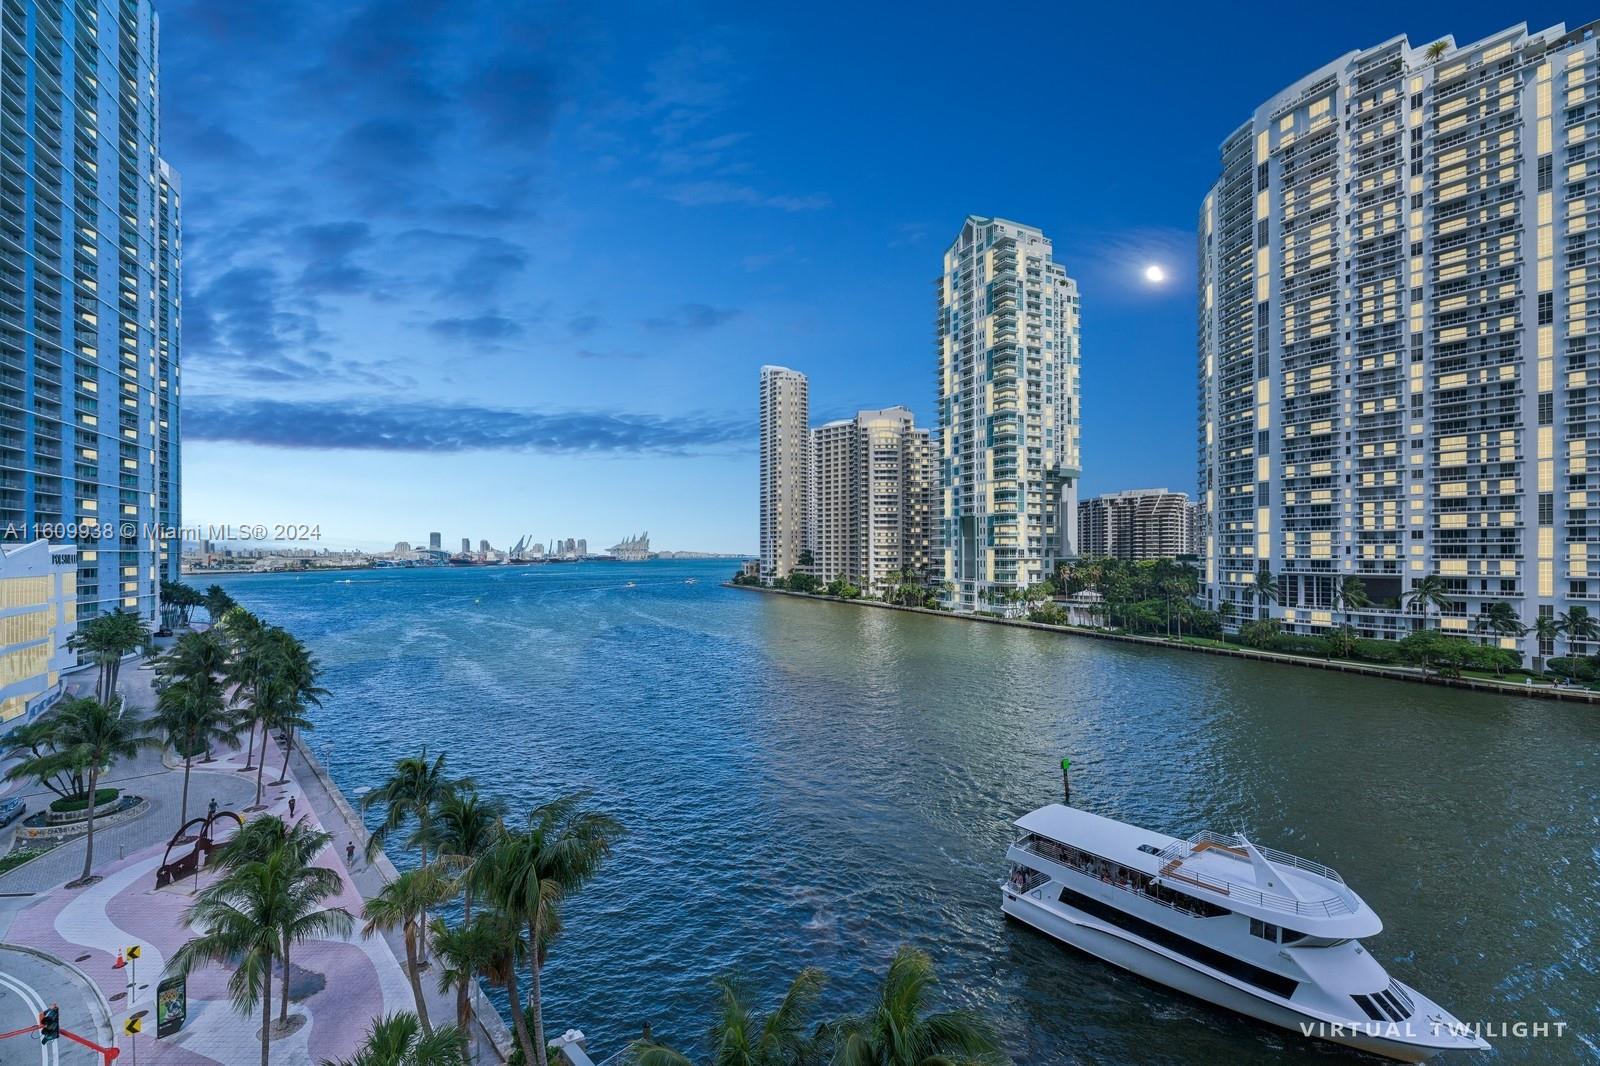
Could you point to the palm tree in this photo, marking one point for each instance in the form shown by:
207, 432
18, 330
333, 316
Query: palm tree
192, 717
250, 915
1547, 631
260, 838
1436, 49
464, 825
1500, 618
106, 638
1350, 594
217, 603
464, 952
96, 737
247, 666
397, 1040
528, 872
1264, 590
1430, 591
740, 1037
195, 655
898, 1032
274, 706
295, 666
403, 904
1580, 627
412, 792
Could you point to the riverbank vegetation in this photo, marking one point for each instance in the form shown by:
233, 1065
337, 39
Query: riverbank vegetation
898, 1028
510, 875
1158, 598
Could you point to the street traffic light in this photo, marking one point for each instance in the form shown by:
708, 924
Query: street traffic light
49, 1024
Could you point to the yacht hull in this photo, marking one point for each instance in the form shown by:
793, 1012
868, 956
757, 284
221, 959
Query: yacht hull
1063, 923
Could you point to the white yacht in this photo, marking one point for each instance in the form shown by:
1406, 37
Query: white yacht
1267, 934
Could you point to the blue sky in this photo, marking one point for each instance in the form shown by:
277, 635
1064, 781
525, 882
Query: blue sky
492, 268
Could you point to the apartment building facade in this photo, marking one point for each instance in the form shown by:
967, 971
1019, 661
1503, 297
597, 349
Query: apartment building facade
872, 498
1007, 449
786, 470
38, 615
1137, 524
1398, 267
89, 298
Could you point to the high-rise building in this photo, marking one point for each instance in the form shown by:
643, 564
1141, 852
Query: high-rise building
583, 546
1008, 442
169, 344
1137, 524
1395, 351
89, 283
38, 614
435, 542
466, 545
872, 500
785, 470
483, 546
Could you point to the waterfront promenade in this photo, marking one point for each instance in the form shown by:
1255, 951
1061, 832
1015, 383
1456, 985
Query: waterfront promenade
1571, 693
65, 943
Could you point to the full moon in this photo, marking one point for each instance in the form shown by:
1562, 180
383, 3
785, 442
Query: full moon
1154, 274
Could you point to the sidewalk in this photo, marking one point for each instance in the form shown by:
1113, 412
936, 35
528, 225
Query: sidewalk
339, 985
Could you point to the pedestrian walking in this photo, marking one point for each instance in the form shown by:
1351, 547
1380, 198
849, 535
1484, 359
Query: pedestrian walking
350, 854
291, 808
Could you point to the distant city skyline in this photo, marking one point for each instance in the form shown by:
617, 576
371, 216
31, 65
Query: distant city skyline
516, 263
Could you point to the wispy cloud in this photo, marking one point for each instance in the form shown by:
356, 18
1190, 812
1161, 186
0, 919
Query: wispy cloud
690, 318
485, 327
445, 428
590, 353
718, 193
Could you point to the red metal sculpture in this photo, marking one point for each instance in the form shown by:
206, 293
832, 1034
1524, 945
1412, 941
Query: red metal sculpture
204, 843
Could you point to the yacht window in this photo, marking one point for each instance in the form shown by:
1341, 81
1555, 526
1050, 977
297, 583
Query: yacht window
1264, 930
1149, 849
1291, 936
1319, 941
1367, 1008
1275, 983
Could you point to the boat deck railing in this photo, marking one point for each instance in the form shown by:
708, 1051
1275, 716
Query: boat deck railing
1282, 858
1172, 859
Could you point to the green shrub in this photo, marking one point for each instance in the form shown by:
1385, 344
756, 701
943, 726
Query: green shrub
1572, 667
81, 803
1260, 634
1298, 644
1375, 651
1048, 614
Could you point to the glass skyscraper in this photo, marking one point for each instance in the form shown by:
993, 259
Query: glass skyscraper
90, 260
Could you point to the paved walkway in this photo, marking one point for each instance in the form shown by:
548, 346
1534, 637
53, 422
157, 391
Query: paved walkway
338, 985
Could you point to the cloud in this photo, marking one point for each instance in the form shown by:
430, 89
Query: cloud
328, 248
485, 327
719, 193
583, 325
690, 318
442, 428
475, 266
589, 353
